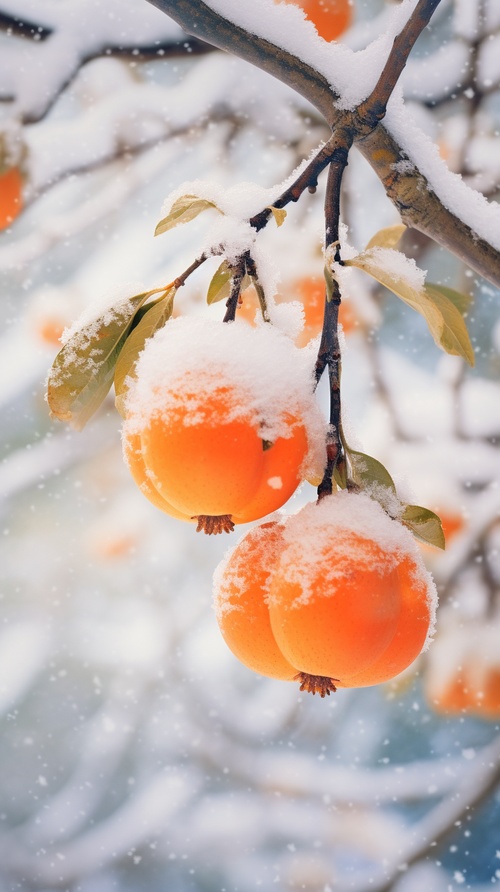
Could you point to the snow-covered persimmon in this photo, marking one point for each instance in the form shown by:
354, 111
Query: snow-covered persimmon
11, 196
330, 17
220, 433
340, 586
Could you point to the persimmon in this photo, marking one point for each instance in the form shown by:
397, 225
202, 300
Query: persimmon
339, 591
463, 675
49, 330
11, 196
452, 523
221, 439
132, 451
330, 17
240, 583
310, 292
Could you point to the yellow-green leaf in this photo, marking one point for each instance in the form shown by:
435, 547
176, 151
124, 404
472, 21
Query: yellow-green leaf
82, 372
220, 286
458, 298
424, 524
445, 322
367, 470
388, 237
184, 210
154, 318
454, 337
279, 215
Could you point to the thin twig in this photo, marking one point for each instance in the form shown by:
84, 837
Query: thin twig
308, 179
373, 109
329, 349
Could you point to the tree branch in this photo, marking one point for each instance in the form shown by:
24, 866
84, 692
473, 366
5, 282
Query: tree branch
375, 106
405, 184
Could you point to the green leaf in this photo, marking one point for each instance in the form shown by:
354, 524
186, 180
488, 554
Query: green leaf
445, 322
154, 318
279, 215
222, 280
220, 286
367, 470
424, 524
82, 372
184, 210
387, 238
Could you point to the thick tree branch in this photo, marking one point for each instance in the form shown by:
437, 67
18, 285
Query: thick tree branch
407, 187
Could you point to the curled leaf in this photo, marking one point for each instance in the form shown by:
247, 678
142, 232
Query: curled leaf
424, 524
444, 320
279, 215
82, 372
388, 237
185, 209
154, 317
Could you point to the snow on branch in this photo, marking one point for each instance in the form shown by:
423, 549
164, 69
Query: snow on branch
60, 46
336, 79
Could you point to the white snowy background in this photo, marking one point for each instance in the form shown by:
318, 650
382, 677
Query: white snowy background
136, 753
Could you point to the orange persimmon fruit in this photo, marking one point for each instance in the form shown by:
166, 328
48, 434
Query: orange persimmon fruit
343, 607
310, 292
218, 470
211, 448
241, 602
330, 17
11, 197
463, 675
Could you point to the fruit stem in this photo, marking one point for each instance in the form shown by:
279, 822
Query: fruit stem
316, 684
211, 525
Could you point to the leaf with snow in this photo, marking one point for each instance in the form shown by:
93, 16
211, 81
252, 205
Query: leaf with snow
82, 372
183, 210
393, 270
424, 524
388, 237
367, 470
279, 215
154, 316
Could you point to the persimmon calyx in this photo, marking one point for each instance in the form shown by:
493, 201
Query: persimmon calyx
316, 684
213, 525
